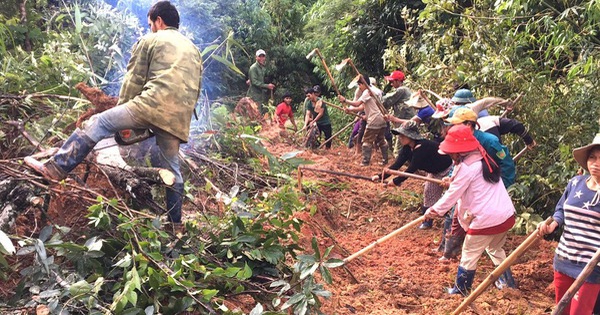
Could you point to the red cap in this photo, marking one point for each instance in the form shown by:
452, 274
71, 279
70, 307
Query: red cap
395, 76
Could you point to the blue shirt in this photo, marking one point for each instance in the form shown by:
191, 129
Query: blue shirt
578, 210
425, 114
500, 154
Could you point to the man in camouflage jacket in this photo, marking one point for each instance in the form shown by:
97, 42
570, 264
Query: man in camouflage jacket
159, 92
258, 90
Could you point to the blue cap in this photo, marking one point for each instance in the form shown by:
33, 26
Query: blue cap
463, 96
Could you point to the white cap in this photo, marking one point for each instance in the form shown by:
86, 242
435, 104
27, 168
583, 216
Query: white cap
260, 52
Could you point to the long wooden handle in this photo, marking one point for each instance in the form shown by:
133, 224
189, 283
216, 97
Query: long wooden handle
587, 270
385, 238
379, 105
399, 173
336, 134
520, 154
302, 168
529, 241
340, 108
327, 70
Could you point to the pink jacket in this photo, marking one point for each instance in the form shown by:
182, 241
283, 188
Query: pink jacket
480, 204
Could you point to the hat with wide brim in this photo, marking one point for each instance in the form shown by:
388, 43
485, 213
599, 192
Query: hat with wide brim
443, 108
581, 154
459, 139
463, 96
416, 101
460, 114
409, 129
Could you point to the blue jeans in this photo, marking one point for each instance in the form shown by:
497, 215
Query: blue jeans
107, 123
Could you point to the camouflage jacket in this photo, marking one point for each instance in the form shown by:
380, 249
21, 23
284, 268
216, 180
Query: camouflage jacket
258, 90
163, 81
396, 101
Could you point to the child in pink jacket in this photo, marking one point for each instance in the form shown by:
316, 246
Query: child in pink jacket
484, 207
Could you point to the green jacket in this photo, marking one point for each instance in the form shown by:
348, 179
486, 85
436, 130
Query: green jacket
258, 90
396, 99
163, 81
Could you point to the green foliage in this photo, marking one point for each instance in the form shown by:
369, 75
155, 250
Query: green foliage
130, 265
547, 50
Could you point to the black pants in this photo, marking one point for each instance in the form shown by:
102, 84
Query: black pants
326, 129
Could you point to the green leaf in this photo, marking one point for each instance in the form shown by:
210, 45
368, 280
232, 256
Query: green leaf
293, 300
315, 247
80, 288
6, 245
45, 233
245, 274
309, 271
78, 24
125, 262
208, 294
333, 263
325, 274
132, 297
309, 259
257, 310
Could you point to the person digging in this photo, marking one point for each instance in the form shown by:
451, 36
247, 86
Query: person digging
423, 155
159, 92
484, 208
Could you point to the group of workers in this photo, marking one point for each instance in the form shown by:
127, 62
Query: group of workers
465, 151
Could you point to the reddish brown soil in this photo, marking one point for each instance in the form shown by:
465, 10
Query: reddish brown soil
402, 275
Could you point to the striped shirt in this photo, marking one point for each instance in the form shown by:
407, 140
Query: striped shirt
578, 211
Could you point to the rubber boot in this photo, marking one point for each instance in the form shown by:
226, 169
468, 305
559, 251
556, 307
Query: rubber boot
174, 196
505, 280
72, 152
384, 154
453, 246
366, 154
445, 231
427, 224
463, 283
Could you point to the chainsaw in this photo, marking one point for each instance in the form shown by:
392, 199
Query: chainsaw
131, 136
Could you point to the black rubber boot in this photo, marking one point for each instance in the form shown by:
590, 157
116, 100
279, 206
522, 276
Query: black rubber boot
174, 201
463, 283
366, 155
384, 154
453, 246
74, 151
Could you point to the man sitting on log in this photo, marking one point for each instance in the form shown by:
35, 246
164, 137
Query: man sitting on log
159, 92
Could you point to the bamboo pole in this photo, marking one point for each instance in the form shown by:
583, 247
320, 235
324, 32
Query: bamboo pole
341, 108
427, 100
405, 227
336, 134
587, 270
517, 99
367, 84
520, 154
529, 241
399, 173
304, 168
299, 179
328, 72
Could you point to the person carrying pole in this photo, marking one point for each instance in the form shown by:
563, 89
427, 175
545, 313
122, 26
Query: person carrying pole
484, 208
578, 213
316, 114
423, 155
501, 155
375, 129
